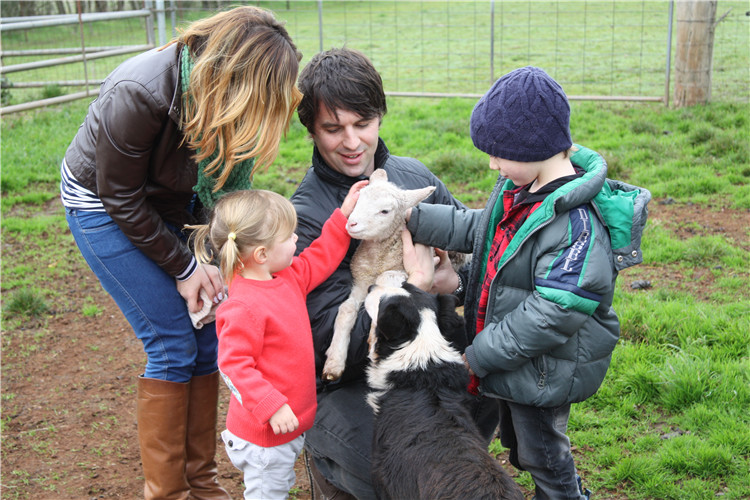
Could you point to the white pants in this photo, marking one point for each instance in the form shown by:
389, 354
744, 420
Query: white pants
268, 472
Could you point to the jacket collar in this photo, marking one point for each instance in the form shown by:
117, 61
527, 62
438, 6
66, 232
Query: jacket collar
331, 176
175, 108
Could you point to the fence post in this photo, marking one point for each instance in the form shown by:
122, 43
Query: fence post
320, 23
83, 46
150, 39
694, 51
492, 41
668, 69
173, 17
161, 22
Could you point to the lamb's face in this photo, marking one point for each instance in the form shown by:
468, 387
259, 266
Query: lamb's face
379, 212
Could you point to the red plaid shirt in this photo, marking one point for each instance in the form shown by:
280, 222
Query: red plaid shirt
515, 212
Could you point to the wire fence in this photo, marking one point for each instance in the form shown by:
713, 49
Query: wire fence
619, 50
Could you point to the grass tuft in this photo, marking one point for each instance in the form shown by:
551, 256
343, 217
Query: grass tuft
26, 302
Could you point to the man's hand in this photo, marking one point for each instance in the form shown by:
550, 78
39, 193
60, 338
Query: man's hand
445, 279
419, 262
206, 277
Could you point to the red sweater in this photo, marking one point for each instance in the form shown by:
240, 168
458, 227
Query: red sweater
265, 342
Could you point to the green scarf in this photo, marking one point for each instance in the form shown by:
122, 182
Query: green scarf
241, 175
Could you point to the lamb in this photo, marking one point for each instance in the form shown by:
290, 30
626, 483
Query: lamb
377, 220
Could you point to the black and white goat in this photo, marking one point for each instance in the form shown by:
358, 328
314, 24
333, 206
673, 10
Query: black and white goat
425, 442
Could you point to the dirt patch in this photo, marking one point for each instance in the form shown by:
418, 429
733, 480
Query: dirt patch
687, 221
69, 380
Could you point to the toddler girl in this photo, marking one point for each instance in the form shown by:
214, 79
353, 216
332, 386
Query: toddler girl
265, 343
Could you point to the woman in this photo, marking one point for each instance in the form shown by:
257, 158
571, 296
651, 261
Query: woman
171, 130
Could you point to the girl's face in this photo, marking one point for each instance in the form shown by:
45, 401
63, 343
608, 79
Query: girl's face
281, 253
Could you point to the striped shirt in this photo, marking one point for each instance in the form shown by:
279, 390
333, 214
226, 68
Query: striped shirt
76, 195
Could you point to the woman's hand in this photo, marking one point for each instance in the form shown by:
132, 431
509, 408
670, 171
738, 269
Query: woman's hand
284, 420
419, 262
206, 277
351, 198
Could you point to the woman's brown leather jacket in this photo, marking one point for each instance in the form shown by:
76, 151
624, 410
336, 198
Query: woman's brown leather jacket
129, 152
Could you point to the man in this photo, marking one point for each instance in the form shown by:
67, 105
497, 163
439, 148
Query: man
342, 109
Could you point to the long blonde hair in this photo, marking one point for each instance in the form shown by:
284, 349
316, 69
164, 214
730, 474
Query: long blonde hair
242, 92
240, 222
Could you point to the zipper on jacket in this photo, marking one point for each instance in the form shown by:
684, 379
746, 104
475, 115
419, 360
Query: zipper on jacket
542, 373
493, 283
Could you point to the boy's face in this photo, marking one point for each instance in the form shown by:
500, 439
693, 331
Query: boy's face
521, 173
348, 142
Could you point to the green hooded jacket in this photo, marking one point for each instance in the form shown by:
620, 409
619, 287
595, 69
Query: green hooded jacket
550, 328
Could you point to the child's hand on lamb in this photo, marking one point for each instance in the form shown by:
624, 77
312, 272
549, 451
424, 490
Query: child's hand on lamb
351, 198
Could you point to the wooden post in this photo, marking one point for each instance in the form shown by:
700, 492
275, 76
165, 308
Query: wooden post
694, 52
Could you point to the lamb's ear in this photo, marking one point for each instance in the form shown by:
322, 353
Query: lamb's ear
414, 196
379, 175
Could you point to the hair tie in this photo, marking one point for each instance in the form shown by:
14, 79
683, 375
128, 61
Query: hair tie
232, 236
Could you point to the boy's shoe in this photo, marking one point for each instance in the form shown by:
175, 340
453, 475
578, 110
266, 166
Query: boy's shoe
584, 491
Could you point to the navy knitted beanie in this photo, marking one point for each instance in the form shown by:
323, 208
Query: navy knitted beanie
525, 116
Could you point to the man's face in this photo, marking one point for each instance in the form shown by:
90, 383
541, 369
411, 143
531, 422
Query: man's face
348, 142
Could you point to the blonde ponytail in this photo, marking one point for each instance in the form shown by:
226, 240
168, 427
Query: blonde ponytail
230, 258
242, 221
199, 238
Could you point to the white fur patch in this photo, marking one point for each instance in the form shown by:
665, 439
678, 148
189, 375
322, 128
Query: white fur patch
428, 345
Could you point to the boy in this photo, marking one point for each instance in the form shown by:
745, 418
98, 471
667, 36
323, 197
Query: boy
547, 249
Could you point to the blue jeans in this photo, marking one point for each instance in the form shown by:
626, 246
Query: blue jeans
148, 298
340, 442
538, 444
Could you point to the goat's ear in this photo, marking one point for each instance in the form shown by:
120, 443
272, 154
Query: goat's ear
451, 324
414, 196
379, 175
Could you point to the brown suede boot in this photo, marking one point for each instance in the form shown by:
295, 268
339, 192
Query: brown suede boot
162, 421
200, 445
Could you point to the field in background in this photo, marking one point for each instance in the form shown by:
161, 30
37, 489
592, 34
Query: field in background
671, 420
593, 48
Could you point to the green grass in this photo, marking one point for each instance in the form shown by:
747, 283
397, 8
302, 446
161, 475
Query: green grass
671, 419
26, 302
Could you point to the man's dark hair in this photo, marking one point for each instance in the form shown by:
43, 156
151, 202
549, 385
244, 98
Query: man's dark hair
340, 79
